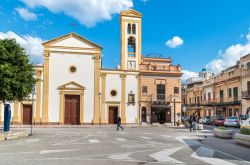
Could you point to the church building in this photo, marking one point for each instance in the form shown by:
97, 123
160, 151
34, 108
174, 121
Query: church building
73, 88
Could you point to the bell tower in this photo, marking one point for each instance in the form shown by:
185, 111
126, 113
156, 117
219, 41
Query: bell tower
130, 23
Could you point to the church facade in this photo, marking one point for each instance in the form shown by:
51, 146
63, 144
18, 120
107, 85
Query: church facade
73, 88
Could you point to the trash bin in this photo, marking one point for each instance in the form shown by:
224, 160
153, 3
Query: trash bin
7, 116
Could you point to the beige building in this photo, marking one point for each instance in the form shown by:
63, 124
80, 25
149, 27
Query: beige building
160, 90
194, 97
226, 93
245, 82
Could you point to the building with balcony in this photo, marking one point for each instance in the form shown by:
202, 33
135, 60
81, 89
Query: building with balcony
194, 96
226, 93
245, 82
160, 90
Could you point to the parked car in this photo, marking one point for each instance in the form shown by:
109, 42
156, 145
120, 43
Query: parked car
232, 122
219, 121
205, 119
245, 121
210, 121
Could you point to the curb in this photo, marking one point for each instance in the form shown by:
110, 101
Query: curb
13, 135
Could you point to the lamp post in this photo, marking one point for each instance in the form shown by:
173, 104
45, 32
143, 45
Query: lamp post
31, 124
100, 99
174, 112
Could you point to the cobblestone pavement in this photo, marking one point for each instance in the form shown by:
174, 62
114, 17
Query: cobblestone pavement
138, 146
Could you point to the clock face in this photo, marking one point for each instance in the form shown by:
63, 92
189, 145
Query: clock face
131, 64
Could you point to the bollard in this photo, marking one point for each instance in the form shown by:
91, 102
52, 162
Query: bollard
7, 116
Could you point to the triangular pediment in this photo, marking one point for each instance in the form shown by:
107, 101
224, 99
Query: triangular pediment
131, 13
71, 86
71, 40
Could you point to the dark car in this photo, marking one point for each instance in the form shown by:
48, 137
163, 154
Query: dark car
219, 121
210, 121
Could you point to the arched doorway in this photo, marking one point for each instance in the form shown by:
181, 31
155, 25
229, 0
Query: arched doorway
143, 114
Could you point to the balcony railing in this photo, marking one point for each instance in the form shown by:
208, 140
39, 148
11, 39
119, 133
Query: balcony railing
160, 68
245, 94
161, 97
245, 72
222, 101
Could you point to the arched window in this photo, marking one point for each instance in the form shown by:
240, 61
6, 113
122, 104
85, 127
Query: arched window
131, 47
133, 29
248, 65
129, 28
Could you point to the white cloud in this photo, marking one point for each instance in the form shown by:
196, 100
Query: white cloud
174, 42
87, 12
26, 14
31, 45
229, 57
188, 74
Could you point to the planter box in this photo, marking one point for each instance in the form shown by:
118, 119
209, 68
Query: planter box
242, 139
226, 134
199, 126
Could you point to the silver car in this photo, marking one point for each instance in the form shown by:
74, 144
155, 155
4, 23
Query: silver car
232, 122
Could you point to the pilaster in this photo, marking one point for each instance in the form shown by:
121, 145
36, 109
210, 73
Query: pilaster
123, 85
103, 115
45, 117
38, 96
97, 64
15, 119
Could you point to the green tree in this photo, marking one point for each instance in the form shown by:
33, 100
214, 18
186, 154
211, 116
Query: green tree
16, 72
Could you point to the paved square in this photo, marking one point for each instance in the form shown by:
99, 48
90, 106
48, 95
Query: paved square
155, 145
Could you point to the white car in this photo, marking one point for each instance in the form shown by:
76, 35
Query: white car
232, 122
245, 123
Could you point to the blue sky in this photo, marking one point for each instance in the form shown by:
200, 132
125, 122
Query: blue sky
214, 33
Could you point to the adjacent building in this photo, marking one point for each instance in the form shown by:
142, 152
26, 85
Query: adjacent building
226, 93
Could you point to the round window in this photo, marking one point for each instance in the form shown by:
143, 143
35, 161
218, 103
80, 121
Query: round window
113, 93
72, 69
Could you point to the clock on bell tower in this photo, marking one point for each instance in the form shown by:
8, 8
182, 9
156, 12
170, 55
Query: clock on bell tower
130, 22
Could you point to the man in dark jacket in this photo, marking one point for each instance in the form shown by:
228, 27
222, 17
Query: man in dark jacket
119, 123
191, 122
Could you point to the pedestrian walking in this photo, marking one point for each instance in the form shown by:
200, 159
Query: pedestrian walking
191, 122
194, 123
119, 123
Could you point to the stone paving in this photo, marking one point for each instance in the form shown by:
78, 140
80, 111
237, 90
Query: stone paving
153, 145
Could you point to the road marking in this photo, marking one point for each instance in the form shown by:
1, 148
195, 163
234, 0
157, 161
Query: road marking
163, 156
32, 140
94, 141
145, 137
147, 133
187, 141
166, 136
56, 151
121, 132
17, 153
70, 141
121, 139
205, 154
124, 156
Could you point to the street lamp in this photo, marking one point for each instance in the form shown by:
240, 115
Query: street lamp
174, 111
100, 99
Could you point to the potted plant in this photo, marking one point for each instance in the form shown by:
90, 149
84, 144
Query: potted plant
243, 138
223, 132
